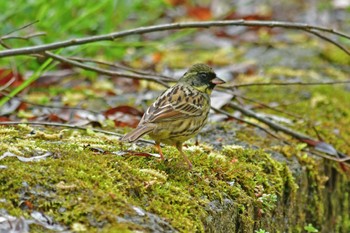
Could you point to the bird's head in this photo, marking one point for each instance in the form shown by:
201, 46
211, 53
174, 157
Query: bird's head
201, 77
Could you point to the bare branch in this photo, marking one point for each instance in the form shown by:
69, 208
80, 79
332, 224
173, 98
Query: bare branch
273, 125
37, 34
269, 107
142, 30
288, 84
23, 27
118, 66
244, 121
330, 41
4, 45
108, 72
277, 127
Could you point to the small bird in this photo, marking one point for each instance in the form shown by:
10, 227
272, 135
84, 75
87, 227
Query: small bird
180, 112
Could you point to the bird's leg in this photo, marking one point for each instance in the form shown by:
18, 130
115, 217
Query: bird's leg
159, 150
179, 148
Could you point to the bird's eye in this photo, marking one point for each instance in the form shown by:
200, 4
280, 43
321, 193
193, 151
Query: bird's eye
203, 75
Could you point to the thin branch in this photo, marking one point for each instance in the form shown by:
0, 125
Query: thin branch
268, 107
4, 45
277, 127
288, 84
238, 97
142, 30
37, 34
272, 124
107, 72
68, 126
330, 41
23, 27
244, 121
118, 66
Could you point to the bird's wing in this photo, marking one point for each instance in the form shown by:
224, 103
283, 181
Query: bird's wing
178, 102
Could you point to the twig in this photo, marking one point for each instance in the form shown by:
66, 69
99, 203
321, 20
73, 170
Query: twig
23, 27
273, 125
288, 83
277, 127
268, 107
142, 30
330, 41
23, 37
118, 66
68, 126
244, 121
107, 72
256, 102
4, 45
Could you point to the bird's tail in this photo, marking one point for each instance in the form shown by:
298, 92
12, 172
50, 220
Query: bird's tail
136, 133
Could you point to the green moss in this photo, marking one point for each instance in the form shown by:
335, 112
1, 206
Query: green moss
79, 184
318, 111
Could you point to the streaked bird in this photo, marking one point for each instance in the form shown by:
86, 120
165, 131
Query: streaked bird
180, 112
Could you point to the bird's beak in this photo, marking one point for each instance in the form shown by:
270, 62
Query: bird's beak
217, 81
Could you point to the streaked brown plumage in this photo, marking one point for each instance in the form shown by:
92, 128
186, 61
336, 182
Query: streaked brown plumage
180, 112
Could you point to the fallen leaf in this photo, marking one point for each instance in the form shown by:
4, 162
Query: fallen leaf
7, 75
124, 116
199, 13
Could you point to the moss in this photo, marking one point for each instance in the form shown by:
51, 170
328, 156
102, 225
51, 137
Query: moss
318, 111
78, 184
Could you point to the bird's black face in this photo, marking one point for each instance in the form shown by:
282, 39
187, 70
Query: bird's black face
201, 77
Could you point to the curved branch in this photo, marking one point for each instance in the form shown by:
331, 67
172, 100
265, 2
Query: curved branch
288, 84
163, 27
118, 66
23, 27
330, 41
160, 80
23, 37
297, 135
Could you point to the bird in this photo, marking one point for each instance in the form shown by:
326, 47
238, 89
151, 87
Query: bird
180, 112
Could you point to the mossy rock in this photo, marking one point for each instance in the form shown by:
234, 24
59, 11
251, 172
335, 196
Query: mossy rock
85, 185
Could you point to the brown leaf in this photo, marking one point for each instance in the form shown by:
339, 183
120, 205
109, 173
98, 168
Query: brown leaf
199, 13
3, 118
124, 109
6, 76
176, 2
124, 116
